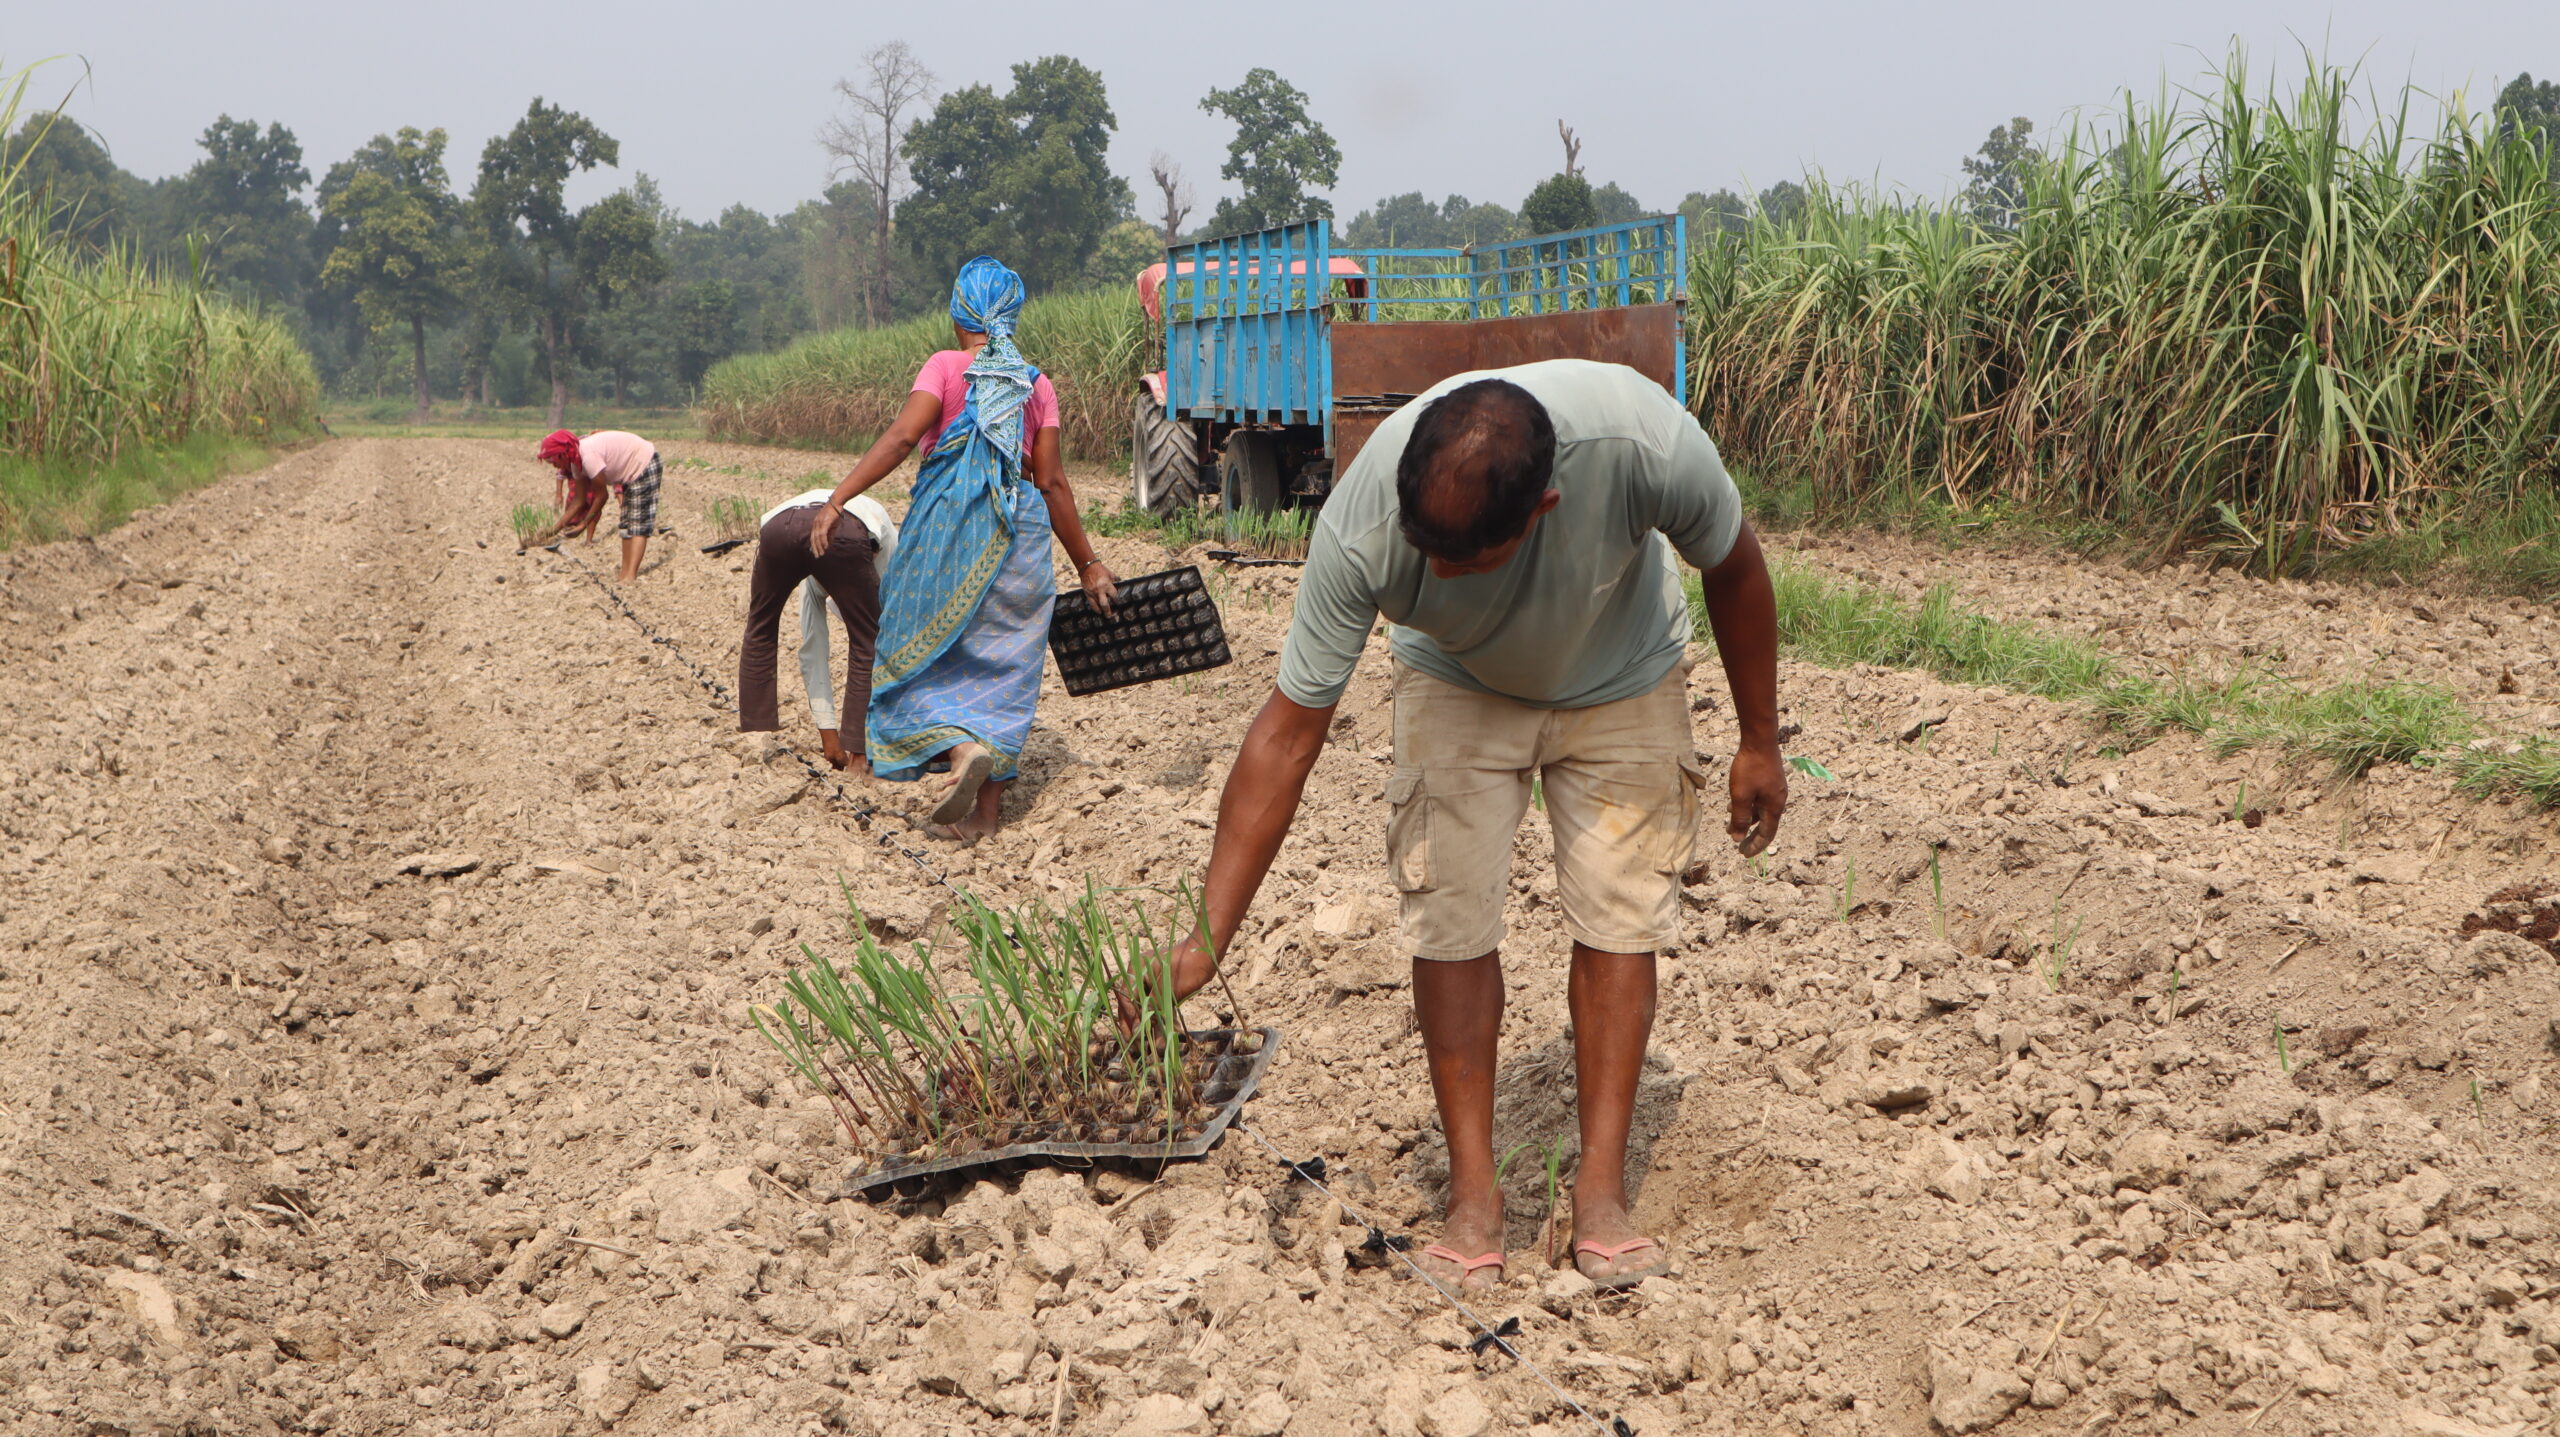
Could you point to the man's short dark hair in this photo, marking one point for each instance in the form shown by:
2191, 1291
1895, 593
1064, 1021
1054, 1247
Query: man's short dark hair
1479, 459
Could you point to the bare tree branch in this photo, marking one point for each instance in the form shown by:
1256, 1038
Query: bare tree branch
869, 143
1175, 190
1572, 148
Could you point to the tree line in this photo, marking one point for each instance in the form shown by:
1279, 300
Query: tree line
499, 291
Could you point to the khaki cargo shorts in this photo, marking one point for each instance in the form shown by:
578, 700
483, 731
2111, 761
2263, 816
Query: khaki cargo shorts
1620, 782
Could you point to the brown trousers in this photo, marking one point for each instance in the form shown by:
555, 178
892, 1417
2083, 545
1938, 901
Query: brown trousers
847, 572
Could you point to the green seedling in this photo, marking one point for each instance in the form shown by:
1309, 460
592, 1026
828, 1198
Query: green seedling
1810, 768
734, 516
2284, 1060
2058, 949
1538, 793
1759, 865
1938, 893
529, 520
1047, 1024
1551, 1231
1848, 889
2479, 1105
2240, 802
1271, 533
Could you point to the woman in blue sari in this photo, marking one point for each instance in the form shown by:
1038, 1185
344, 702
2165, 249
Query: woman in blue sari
964, 606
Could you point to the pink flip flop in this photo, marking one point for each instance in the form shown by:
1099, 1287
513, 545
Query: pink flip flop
1610, 1251
1466, 1265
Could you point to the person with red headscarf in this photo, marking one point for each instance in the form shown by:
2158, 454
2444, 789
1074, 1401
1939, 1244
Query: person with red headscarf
611, 458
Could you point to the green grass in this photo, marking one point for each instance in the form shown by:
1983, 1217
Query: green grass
1277, 534
44, 500
386, 419
119, 383
2279, 324
733, 516
839, 389
528, 521
2349, 726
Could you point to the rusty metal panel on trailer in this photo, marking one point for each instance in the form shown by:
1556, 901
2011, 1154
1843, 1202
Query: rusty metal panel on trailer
1280, 329
1392, 359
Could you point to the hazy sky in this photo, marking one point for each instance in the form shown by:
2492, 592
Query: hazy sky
720, 102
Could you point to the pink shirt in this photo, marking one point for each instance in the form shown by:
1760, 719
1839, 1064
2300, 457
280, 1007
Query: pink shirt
614, 456
946, 376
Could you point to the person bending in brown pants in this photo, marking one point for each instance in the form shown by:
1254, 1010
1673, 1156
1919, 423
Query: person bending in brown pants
848, 572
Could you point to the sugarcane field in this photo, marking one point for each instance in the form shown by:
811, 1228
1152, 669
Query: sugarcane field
1029, 802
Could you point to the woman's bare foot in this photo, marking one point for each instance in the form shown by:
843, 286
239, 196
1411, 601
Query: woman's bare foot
1472, 1231
1608, 1248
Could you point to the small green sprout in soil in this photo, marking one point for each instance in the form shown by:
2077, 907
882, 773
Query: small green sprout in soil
1848, 889
733, 516
2058, 949
1272, 533
1938, 893
2284, 1060
1551, 1232
1810, 768
1047, 1025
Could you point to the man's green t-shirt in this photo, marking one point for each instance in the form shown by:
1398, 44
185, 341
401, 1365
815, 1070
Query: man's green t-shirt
1589, 610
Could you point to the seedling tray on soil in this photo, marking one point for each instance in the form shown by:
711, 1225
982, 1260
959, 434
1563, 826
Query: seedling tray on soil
1233, 1077
1161, 626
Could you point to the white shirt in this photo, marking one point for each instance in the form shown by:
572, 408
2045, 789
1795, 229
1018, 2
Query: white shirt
815, 606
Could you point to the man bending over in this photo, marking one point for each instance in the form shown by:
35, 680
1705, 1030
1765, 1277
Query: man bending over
1519, 527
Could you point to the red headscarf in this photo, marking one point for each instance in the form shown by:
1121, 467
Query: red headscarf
559, 449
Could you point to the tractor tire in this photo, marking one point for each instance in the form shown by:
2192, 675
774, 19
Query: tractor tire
1249, 474
1164, 460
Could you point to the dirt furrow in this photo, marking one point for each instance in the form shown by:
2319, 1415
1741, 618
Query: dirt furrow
379, 910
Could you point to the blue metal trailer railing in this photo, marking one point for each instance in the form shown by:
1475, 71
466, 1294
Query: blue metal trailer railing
1249, 318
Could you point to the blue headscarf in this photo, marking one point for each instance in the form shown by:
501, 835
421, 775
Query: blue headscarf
986, 298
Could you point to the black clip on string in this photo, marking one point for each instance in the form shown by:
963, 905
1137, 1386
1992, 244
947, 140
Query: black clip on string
863, 810
1311, 1171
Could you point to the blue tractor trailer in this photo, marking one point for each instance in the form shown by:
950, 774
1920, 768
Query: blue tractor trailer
1282, 353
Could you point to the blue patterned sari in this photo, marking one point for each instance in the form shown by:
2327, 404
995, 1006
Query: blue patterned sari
964, 607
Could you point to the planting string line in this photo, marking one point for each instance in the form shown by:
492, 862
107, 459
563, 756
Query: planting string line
1489, 1334
863, 809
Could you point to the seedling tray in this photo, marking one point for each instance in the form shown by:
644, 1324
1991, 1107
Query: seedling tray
1161, 626
1231, 1081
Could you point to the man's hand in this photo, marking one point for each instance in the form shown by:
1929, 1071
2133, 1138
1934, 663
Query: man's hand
1254, 813
1742, 610
821, 528
1759, 799
1189, 970
831, 747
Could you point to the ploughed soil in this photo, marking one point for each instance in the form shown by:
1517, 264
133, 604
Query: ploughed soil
379, 911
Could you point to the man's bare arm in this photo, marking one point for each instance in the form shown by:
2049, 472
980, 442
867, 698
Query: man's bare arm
1742, 610
1254, 813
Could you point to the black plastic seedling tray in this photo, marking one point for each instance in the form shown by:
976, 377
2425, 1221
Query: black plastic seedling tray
1162, 626
1237, 1075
